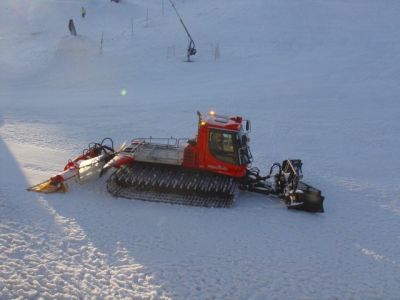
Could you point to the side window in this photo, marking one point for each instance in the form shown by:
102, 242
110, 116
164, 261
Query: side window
222, 146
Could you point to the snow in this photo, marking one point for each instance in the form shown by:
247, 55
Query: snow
318, 79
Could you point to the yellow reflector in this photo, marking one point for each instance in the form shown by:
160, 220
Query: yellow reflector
48, 187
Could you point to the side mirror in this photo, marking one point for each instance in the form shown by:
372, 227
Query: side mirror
192, 142
244, 140
248, 125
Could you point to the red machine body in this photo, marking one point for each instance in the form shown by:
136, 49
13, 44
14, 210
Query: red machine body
220, 146
217, 146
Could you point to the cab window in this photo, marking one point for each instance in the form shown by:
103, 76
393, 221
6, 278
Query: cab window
222, 145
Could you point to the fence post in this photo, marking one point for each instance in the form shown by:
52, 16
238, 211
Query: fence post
101, 43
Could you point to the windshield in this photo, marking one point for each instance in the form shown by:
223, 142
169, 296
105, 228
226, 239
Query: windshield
230, 147
222, 145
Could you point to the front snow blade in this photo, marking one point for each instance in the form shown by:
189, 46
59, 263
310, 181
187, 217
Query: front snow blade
48, 187
306, 198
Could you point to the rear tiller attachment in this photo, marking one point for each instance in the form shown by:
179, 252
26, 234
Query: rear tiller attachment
86, 166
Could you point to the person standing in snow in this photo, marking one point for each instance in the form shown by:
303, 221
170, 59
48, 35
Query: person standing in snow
71, 27
83, 12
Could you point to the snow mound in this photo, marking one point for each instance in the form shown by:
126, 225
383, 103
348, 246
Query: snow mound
76, 49
76, 62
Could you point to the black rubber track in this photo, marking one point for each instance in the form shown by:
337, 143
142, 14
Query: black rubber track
172, 184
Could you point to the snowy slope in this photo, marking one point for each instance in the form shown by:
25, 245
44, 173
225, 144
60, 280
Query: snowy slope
318, 79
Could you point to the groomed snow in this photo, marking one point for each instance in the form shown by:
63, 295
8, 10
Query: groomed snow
318, 79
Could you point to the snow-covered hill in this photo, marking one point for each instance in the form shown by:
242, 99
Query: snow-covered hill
318, 79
